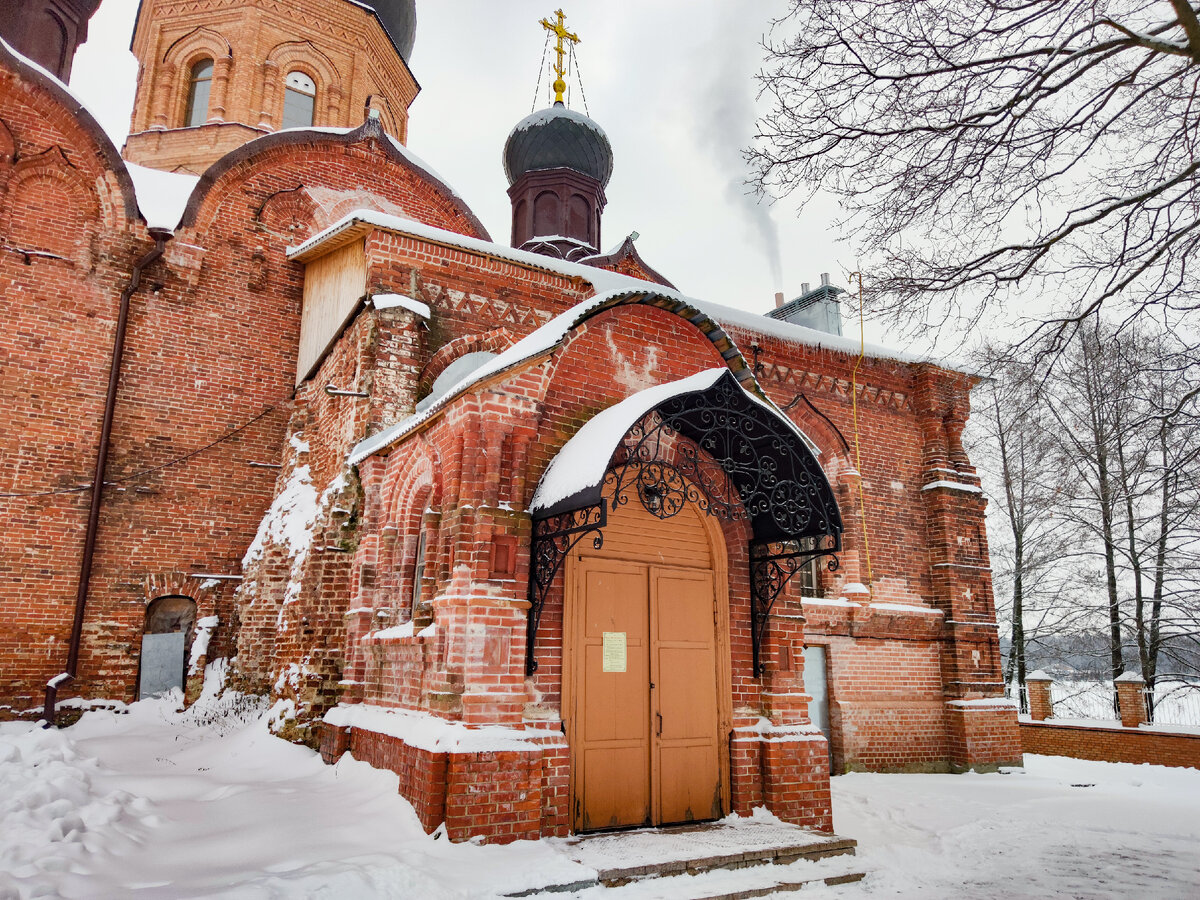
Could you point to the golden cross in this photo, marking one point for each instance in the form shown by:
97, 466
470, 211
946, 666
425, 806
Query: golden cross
561, 33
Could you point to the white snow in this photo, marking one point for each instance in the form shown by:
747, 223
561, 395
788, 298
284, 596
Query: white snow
204, 630
551, 113
161, 196
155, 803
583, 460
954, 485
429, 732
400, 301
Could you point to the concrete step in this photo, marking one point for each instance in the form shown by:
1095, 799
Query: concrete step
703, 861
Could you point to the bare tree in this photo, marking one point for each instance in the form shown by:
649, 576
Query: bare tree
1030, 539
1048, 146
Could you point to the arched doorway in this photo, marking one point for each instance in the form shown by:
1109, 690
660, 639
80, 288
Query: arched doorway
691, 450
646, 671
168, 623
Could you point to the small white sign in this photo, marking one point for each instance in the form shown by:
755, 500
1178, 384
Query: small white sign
614, 651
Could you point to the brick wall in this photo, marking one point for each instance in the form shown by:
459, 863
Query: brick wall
1115, 744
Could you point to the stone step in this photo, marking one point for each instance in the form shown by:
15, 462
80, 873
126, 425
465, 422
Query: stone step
785, 857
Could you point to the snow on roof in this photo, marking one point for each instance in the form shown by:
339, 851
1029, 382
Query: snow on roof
161, 196
393, 301
606, 280
403, 151
550, 113
583, 460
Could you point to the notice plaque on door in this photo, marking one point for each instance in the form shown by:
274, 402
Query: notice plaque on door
614, 651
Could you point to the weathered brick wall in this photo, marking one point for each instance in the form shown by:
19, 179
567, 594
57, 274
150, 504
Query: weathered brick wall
254, 47
206, 391
1115, 744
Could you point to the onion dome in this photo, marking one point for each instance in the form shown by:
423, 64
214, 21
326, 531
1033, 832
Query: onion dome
399, 20
558, 137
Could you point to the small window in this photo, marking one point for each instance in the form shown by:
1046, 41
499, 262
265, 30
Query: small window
808, 576
418, 573
299, 101
199, 87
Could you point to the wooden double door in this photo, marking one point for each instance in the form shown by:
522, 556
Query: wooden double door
645, 711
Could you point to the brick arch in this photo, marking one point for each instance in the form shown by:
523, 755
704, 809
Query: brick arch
495, 341
822, 434
415, 483
180, 584
70, 204
302, 56
239, 173
290, 213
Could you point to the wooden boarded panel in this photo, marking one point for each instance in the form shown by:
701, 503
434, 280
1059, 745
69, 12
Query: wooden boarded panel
333, 286
612, 752
683, 668
635, 534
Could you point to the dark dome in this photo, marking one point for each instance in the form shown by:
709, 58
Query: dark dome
554, 137
399, 20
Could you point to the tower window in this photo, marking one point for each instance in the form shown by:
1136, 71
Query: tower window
299, 100
199, 87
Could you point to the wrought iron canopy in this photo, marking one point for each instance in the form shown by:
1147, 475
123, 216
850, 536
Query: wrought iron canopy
743, 459
776, 476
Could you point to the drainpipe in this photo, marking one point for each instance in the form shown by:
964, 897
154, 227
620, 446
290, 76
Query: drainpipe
160, 236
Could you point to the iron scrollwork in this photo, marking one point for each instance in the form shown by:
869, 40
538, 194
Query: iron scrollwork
553, 538
730, 455
772, 566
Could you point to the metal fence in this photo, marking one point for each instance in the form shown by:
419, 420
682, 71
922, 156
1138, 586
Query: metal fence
1174, 703
1084, 700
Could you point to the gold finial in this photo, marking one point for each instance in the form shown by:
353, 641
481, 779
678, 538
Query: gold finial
562, 34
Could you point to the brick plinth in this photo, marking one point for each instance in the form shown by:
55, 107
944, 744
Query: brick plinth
1131, 700
983, 737
497, 795
786, 772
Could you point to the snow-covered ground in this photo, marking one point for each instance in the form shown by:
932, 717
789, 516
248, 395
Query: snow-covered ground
155, 803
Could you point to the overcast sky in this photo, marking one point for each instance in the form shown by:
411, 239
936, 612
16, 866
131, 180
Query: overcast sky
670, 81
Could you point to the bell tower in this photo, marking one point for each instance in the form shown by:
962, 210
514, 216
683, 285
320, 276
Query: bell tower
210, 82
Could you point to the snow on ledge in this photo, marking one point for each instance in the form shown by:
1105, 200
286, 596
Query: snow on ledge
908, 608
436, 735
400, 301
954, 486
985, 703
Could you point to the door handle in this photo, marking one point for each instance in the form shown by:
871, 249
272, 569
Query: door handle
659, 724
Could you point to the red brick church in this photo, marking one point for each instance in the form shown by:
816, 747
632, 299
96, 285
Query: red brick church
566, 549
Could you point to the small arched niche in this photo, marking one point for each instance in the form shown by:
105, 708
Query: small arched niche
167, 627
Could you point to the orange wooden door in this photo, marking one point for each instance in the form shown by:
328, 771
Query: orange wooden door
683, 670
645, 736
612, 700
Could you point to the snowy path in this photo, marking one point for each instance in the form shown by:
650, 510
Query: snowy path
155, 804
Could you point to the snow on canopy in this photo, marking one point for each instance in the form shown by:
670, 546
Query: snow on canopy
583, 461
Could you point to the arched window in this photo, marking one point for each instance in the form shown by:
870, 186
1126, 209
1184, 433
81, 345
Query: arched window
199, 87
299, 100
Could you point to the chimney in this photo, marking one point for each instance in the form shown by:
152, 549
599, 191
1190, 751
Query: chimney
824, 279
803, 288
778, 299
